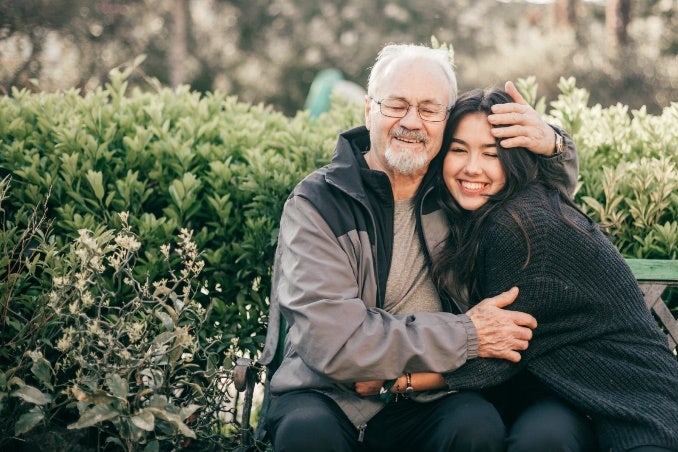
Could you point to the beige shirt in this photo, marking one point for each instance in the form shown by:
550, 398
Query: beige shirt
409, 288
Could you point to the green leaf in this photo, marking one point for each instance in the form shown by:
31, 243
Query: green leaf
152, 446
116, 441
28, 420
96, 415
41, 369
95, 179
32, 395
118, 386
173, 419
186, 411
144, 420
166, 320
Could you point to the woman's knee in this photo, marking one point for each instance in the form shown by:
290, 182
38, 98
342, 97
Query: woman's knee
473, 424
551, 425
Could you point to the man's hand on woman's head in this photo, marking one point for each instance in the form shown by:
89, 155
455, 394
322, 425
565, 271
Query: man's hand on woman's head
522, 125
501, 333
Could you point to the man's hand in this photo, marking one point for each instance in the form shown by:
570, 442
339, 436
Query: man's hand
523, 125
501, 333
368, 388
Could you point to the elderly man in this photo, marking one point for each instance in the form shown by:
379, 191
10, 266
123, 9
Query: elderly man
351, 278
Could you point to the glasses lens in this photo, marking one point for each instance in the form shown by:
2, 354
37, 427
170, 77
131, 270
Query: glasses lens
394, 108
398, 108
432, 112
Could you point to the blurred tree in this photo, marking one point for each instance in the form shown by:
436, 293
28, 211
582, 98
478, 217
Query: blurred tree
271, 50
566, 12
62, 43
179, 46
617, 18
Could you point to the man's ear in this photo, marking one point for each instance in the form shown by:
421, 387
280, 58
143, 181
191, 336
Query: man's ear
368, 111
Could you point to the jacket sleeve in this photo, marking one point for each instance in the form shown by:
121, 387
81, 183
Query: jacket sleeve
563, 167
325, 288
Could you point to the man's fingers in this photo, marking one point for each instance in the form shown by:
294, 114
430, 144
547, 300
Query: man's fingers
522, 345
512, 356
512, 91
503, 299
501, 333
514, 136
521, 127
515, 130
507, 118
522, 320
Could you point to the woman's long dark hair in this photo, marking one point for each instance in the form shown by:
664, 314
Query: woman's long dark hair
454, 268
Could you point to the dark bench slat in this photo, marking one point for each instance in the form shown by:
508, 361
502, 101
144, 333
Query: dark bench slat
653, 298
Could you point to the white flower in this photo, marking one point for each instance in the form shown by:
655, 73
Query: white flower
127, 242
165, 250
87, 299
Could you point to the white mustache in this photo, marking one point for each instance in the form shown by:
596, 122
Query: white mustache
410, 135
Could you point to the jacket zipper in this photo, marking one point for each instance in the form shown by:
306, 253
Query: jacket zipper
361, 432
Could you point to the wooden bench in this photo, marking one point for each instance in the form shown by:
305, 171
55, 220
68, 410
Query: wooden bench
654, 277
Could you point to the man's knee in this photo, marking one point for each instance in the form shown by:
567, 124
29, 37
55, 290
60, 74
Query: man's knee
307, 422
305, 433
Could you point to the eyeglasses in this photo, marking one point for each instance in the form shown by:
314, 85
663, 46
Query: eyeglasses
398, 108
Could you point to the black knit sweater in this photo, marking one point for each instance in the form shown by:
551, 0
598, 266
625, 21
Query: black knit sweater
596, 345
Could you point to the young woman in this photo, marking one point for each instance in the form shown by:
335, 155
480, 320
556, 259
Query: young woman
596, 347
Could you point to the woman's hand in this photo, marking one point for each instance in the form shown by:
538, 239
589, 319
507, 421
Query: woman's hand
421, 381
368, 388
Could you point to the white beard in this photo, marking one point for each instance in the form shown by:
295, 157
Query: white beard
405, 162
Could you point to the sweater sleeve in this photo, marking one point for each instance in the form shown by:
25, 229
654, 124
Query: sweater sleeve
485, 372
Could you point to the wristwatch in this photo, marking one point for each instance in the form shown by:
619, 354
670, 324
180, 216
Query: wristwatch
560, 144
409, 389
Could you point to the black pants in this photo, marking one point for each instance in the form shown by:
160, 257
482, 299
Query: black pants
538, 420
308, 421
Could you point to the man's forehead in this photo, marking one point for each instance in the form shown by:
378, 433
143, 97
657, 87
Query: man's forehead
415, 81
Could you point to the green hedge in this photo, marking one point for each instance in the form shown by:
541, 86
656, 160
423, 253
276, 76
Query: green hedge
222, 169
171, 159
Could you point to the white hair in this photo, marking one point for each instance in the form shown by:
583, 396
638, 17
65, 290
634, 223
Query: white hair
394, 52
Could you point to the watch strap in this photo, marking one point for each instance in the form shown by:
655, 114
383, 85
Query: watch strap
409, 389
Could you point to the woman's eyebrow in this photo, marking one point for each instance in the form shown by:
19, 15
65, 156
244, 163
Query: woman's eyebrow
460, 141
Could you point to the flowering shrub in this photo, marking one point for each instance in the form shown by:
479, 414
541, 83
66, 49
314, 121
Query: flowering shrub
126, 357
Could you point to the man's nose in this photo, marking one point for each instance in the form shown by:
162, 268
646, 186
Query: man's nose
411, 120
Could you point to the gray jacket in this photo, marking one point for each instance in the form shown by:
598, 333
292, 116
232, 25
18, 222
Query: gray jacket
329, 280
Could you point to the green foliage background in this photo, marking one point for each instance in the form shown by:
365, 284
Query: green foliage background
223, 168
